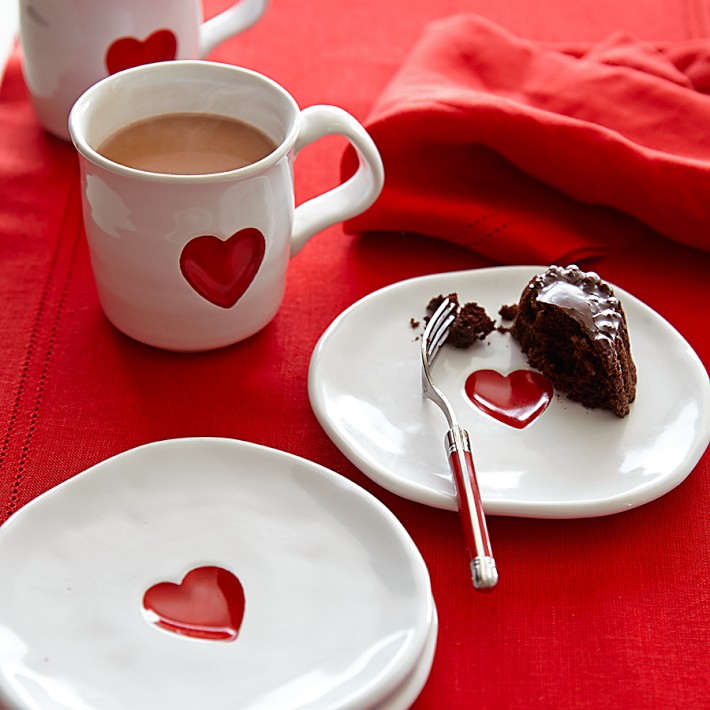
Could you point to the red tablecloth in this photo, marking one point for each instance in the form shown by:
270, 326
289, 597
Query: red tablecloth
609, 612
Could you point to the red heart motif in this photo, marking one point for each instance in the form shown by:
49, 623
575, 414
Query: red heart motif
222, 270
208, 604
517, 399
127, 52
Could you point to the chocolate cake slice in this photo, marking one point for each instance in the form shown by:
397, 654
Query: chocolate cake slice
573, 329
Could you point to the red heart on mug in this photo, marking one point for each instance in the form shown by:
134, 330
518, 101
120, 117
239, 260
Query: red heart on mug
517, 399
222, 270
127, 52
208, 604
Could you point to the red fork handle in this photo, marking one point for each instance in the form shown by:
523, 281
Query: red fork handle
483, 566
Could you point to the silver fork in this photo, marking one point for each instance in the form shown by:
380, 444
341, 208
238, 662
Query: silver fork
458, 451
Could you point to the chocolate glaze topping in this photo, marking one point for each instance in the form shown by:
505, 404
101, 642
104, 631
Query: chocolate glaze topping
585, 297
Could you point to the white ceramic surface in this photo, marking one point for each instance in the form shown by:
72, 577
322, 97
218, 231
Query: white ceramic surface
365, 388
8, 30
338, 611
67, 46
139, 225
409, 690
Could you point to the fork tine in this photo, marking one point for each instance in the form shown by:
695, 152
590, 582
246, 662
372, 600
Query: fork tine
434, 345
438, 327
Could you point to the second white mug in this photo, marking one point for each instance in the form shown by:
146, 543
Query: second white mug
68, 45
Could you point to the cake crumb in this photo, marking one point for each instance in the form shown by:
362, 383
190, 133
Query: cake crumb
437, 301
472, 322
508, 312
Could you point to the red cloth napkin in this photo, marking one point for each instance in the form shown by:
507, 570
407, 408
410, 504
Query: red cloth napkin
527, 151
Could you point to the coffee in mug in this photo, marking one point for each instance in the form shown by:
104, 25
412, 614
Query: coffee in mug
187, 144
198, 261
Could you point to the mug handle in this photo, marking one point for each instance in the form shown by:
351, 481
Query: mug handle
241, 16
353, 196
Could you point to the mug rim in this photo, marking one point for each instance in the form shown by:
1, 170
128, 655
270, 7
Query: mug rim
92, 155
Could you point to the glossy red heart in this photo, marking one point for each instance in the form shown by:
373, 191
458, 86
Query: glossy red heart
208, 604
517, 399
127, 52
222, 270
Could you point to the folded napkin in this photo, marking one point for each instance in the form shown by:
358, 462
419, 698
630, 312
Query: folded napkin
536, 152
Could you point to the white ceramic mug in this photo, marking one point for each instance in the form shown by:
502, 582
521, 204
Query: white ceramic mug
160, 244
68, 45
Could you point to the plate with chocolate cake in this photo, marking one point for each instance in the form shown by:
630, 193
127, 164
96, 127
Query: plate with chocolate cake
579, 399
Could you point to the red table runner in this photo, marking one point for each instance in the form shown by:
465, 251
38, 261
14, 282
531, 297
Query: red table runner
607, 612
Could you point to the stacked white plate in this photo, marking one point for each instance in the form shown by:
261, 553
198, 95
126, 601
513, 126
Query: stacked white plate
337, 604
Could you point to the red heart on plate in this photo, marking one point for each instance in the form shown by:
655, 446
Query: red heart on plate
517, 399
127, 52
222, 270
208, 604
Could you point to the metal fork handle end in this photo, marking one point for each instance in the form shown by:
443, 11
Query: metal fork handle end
473, 519
484, 573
